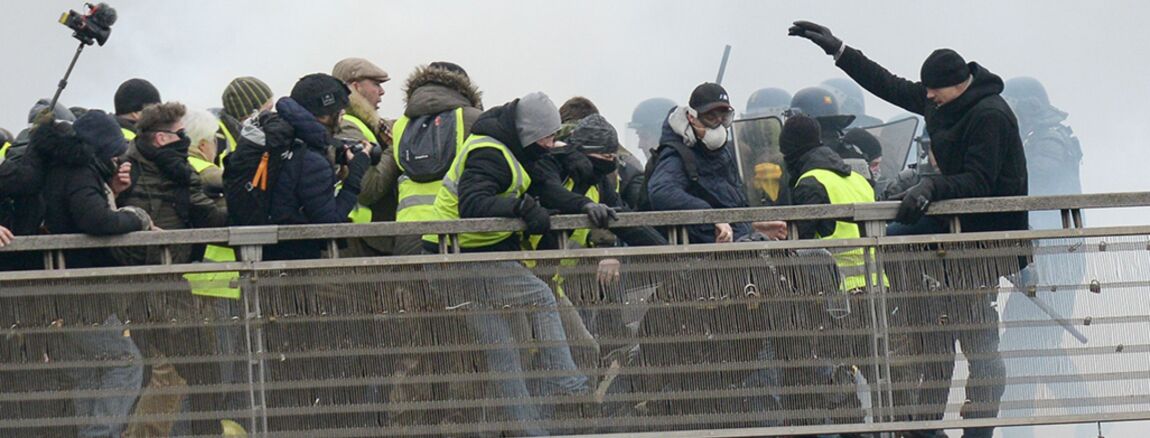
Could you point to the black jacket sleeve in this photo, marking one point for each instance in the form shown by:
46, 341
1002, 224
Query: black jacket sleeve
547, 187
317, 185
91, 212
810, 191
900, 92
987, 137
204, 212
21, 175
485, 175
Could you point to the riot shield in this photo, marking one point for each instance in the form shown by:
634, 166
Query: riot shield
896, 138
760, 161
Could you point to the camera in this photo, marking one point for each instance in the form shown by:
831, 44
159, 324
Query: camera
93, 27
344, 145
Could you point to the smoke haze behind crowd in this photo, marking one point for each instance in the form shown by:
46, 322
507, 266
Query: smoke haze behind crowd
1090, 56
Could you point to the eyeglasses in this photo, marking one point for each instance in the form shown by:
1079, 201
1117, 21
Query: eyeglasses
179, 133
714, 119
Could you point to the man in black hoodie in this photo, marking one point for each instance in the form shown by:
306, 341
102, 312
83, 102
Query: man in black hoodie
979, 154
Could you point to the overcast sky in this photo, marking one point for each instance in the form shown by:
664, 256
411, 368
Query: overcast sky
1091, 55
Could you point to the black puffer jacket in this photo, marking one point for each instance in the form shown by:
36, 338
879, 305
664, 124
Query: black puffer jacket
809, 191
78, 200
975, 137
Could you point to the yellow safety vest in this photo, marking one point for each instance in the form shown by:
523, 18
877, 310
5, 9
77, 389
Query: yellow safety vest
370, 136
447, 200
214, 284
128, 134
229, 138
853, 189
416, 199
4, 150
578, 239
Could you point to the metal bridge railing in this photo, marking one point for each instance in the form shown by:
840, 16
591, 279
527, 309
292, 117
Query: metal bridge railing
741, 339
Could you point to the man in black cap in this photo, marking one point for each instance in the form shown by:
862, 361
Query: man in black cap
979, 154
305, 193
130, 99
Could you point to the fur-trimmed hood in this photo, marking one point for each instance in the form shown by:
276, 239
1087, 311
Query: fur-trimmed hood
434, 90
361, 109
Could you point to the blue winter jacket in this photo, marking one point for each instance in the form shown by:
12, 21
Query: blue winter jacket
305, 190
670, 188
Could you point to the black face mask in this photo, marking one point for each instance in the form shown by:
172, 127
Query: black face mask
604, 167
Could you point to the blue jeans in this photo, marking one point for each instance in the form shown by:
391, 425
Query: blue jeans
108, 343
508, 284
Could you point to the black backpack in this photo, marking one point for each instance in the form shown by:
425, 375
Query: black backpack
252, 169
689, 165
427, 146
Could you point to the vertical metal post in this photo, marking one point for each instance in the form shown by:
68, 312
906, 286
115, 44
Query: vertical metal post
1077, 214
876, 230
256, 349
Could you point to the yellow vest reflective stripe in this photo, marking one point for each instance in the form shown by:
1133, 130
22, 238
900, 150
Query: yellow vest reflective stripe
853, 189
199, 164
216, 284
363, 129
4, 150
417, 200
230, 139
128, 134
447, 200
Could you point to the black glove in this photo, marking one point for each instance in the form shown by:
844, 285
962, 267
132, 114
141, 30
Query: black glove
914, 202
534, 215
817, 34
600, 215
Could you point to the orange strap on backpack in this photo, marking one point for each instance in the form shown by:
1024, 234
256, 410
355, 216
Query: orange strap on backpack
261, 178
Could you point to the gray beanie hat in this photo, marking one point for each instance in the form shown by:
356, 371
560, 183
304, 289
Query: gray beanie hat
536, 117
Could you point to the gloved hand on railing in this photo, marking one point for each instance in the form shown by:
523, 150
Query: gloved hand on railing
600, 215
534, 215
914, 201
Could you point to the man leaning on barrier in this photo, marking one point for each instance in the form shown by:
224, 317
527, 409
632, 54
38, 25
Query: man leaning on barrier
489, 180
979, 154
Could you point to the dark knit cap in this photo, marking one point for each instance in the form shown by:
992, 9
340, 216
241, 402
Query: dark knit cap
800, 134
865, 142
100, 132
944, 68
134, 94
321, 94
244, 95
594, 134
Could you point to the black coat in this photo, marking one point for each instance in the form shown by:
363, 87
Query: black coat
77, 201
810, 191
974, 138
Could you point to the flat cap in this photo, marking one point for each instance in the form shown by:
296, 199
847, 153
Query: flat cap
354, 69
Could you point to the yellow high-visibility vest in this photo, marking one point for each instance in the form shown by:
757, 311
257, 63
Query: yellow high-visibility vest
416, 199
447, 200
853, 189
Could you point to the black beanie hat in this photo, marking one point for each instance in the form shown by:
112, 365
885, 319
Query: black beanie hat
449, 66
134, 94
944, 68
321, 94
100, 132
800, 134
594, 134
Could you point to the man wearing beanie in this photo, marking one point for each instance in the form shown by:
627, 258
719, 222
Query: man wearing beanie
243, 98
979, 154
304, 193
85, 179
488, 179
131, 98
819, 176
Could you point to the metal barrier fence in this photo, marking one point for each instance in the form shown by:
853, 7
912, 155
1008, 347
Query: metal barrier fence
741, 339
